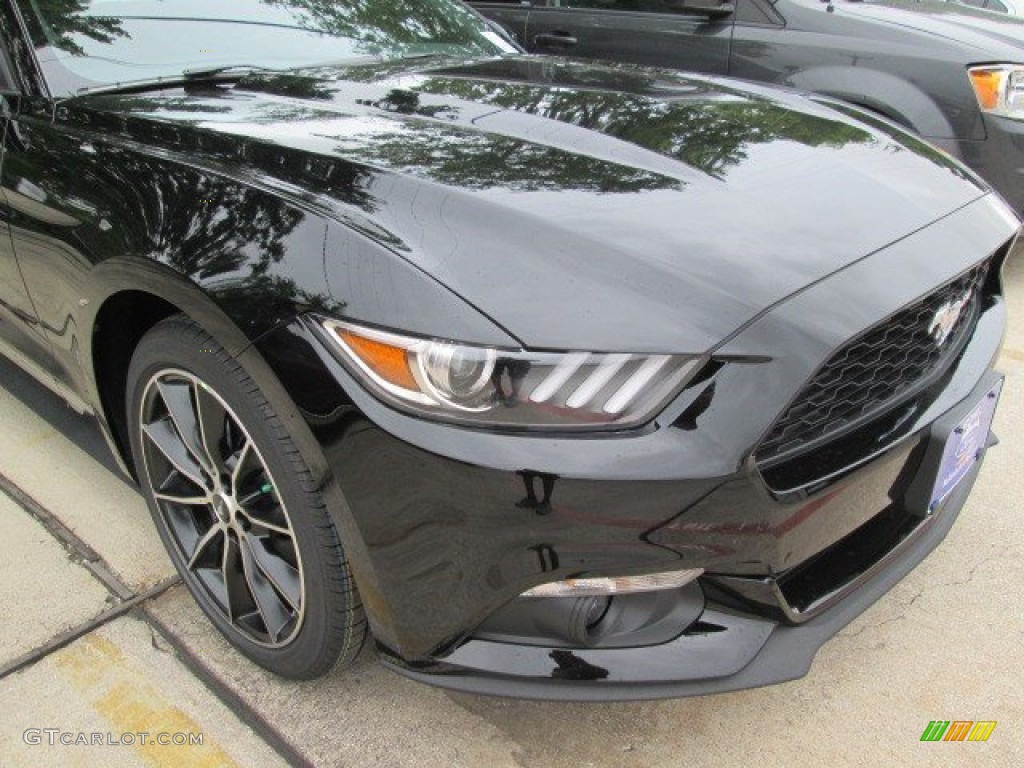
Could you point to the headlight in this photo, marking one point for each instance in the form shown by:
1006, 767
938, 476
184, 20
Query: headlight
510, 388
1000, 89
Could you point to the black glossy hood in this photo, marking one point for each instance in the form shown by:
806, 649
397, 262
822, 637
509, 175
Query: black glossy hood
583, 206
984, 36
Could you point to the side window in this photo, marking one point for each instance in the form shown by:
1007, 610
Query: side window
995, 5
758, 13
8, 83
637, 6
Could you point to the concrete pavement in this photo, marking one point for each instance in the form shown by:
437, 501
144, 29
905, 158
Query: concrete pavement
124, 651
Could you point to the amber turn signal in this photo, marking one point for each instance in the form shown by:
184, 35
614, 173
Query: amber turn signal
988, 85
388, 362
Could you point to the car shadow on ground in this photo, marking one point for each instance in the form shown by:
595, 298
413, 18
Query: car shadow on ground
80, 429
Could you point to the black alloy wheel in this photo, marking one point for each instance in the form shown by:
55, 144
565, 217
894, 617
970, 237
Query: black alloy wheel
236, 507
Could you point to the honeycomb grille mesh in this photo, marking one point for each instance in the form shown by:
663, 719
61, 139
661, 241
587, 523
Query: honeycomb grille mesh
877, 367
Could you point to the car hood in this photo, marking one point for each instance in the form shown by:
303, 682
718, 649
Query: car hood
984, 35
583, 206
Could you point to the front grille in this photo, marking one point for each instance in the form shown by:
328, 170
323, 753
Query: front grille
878, 367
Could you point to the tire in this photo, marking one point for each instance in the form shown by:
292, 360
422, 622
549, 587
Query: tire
237, 507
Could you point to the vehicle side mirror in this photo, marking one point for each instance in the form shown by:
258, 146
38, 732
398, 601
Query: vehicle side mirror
713, 8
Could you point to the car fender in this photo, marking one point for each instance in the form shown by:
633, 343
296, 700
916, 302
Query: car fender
121, 274
882, 92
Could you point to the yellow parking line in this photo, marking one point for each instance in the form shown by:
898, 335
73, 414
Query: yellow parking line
126, 698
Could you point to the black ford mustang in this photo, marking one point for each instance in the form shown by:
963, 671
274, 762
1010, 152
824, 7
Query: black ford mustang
563, 380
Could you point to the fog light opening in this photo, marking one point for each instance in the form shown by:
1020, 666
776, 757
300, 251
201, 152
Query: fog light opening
584, 617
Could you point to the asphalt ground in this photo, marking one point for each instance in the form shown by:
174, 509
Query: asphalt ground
98, 637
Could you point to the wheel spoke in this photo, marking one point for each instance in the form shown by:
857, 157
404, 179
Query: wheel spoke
203, 545
184, 526
255, 496
238, 597
212, 420
259, 522
166, 439
237, 466
279, 572
273, 611
189, 501
177, 396
271, 519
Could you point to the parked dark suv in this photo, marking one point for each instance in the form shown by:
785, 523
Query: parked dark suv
950, 73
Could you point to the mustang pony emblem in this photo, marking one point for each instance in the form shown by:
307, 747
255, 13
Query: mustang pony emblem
946, 318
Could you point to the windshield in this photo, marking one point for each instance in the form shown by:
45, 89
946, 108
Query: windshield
86, 43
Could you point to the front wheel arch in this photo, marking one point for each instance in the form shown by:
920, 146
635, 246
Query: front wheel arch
123, 297
877, 91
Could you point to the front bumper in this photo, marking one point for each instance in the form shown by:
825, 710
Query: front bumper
724, 650
442, 535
